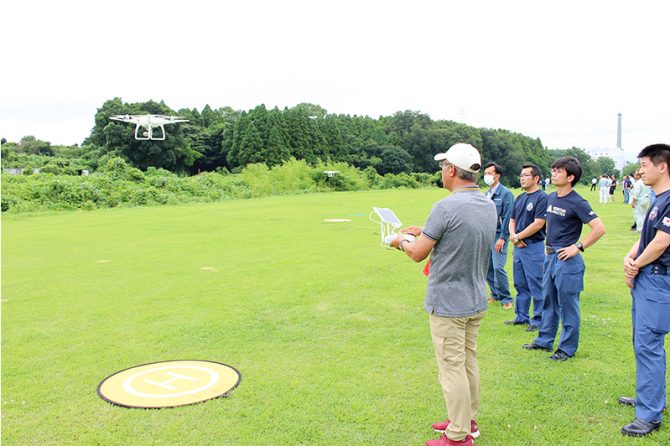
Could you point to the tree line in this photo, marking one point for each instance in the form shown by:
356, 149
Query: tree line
224, 139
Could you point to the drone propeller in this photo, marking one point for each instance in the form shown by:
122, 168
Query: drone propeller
167, 119
124, 118
176, 119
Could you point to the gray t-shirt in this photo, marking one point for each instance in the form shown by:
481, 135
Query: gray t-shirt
464, 226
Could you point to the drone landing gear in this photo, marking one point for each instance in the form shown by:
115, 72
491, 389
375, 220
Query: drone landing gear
148, 134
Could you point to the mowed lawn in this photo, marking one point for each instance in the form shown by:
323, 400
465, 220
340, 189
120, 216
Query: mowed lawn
325, 326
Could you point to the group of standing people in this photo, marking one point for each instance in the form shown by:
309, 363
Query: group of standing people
552, 275
635, 192
606, 186
466, 235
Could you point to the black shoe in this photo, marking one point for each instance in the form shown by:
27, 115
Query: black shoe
559, 355
515, 322
640, 428
627, 401
534, 346
532, 328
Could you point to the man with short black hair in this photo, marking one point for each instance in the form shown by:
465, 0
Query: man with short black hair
563, 278
526, 228
647, 268
458, 235
504, 201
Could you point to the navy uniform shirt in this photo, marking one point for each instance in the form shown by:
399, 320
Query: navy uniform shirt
657, 219
527, 208
565, 218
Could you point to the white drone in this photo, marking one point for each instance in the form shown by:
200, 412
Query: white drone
148, 122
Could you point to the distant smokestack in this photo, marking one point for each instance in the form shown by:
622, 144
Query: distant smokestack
618, 133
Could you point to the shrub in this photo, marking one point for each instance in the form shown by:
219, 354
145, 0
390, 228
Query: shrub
427, 179
119, 184
118, 169
401, 180
258, 177
372, 177
349, 178
292, 176
6, 203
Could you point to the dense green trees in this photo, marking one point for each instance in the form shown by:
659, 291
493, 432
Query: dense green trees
114, 138
228, 140
224, 138
590, 168
274, 151
606, 165
630, 169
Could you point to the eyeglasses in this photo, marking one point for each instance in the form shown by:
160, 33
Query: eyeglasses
525, 175
444, 163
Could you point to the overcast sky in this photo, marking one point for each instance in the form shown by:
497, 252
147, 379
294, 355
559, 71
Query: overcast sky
560, 71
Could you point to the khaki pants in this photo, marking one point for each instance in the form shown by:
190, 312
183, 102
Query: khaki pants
455, 343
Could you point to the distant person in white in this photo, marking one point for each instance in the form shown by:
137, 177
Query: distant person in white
604, 185
640, 197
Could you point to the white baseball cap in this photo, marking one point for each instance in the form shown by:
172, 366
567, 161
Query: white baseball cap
463, 156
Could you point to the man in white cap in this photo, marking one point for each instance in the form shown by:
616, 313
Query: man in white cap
458, 235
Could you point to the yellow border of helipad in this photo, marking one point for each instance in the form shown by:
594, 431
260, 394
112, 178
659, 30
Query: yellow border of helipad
169, 384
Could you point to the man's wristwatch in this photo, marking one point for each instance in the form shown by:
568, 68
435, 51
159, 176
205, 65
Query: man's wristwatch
580, 246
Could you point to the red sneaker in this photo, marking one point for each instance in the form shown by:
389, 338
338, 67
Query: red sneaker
444, 441
441, 427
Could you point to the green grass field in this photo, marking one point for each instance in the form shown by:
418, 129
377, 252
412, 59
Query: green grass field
326, 328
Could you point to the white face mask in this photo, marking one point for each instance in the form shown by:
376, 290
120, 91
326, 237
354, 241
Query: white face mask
488, 179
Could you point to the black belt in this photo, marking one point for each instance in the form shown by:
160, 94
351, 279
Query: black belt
552, 250
656, 268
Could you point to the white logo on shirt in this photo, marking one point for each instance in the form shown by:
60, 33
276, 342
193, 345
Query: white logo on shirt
653, 214
556, 210
529, 207
666, 221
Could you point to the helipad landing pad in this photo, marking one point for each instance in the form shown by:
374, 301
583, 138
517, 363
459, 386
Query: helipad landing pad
169, 384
